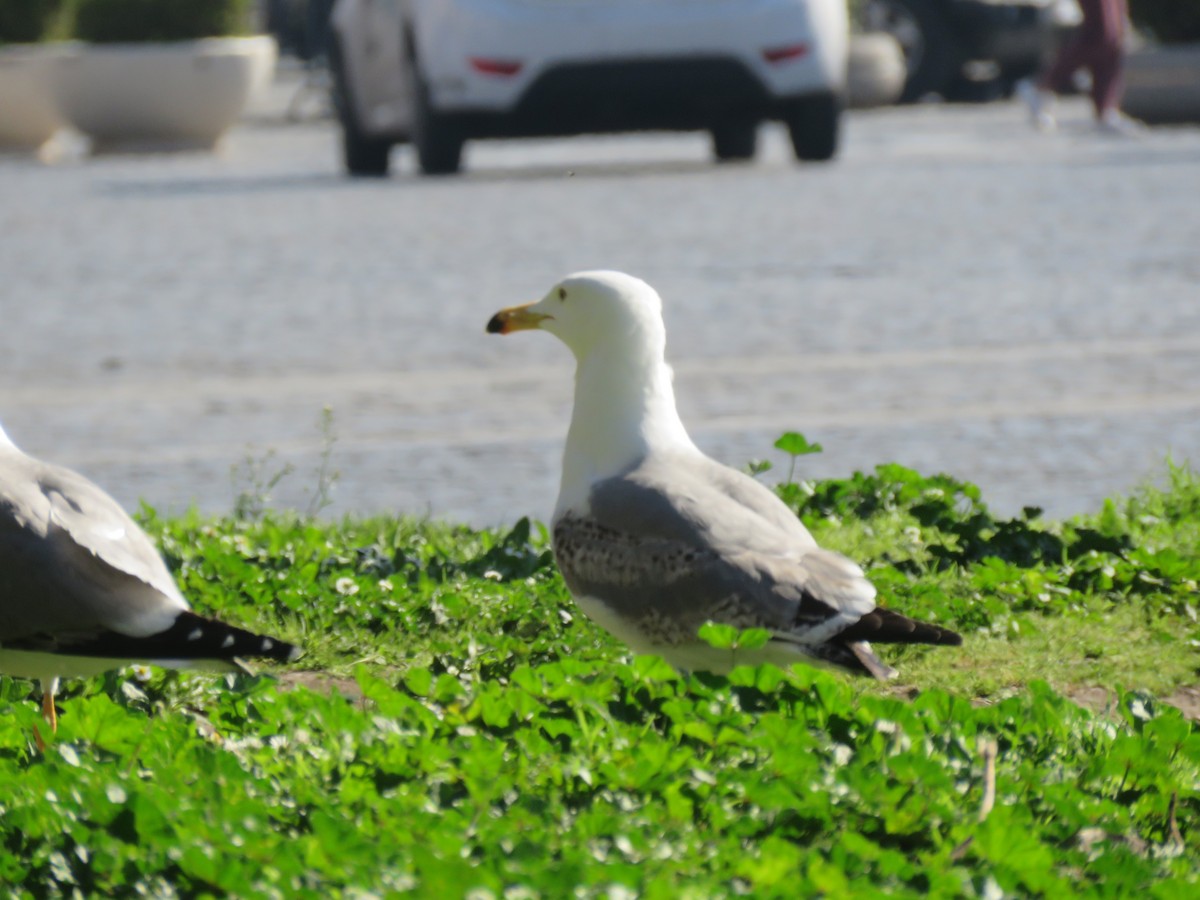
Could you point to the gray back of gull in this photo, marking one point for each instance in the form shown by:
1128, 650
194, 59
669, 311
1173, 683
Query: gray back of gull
72, 560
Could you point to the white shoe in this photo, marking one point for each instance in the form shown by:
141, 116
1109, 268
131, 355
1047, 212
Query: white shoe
1118, 124
1041, 105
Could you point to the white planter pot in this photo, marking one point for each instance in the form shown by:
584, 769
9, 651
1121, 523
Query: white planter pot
169, 96
875, 70
1162, 84
28, 112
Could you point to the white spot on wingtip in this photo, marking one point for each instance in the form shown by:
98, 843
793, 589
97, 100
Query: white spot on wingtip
267, 644
196, 634
228, 642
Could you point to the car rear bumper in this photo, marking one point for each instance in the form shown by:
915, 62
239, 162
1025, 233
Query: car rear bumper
632, 95
540, 42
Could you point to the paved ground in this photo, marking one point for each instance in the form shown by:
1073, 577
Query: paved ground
956, 293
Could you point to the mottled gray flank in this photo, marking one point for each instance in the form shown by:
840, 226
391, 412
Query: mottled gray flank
956, 293
684, 585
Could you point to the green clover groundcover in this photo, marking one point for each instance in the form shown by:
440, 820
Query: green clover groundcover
459, 729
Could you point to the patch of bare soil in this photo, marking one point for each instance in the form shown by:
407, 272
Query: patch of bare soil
1186, 699
1090, 696
321, 683
1093, 697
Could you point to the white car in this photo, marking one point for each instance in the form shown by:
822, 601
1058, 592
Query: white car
438, 73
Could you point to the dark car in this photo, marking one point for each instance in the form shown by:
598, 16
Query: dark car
952, 46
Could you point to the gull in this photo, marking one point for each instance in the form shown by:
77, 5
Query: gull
84, 590
654, 538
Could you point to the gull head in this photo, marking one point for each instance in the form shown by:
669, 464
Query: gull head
591, 310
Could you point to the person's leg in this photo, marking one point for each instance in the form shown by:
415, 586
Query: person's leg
1056, 78
1077, 52
1107, 59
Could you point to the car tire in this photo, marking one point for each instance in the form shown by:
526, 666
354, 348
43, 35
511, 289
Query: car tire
814, 125
931, 55
439, 144
964, 90
734, 140
362, 154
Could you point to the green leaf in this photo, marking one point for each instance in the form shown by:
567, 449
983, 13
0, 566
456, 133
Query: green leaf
721, 637
752, 638
795, 444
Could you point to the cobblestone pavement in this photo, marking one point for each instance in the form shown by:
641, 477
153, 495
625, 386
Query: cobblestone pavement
957, 293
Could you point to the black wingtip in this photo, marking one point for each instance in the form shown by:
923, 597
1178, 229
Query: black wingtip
883, 626
191, 637
212, 639
247, 643
928, 633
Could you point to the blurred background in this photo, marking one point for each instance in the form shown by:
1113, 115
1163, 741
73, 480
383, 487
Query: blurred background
248, 249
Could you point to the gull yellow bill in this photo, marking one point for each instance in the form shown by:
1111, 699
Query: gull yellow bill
515, 318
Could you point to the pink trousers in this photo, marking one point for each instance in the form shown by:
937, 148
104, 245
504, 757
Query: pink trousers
1096, 47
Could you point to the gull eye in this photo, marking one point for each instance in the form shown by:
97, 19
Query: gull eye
562, 294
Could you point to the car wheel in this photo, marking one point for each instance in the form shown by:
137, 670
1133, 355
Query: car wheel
734, 140
362, 154
930, 54
814, 125
964, 90
438, 143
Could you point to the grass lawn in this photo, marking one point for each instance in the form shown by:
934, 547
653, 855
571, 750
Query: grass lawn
457, 728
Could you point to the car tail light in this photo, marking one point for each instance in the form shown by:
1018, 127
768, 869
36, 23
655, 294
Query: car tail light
505, 68
783, 54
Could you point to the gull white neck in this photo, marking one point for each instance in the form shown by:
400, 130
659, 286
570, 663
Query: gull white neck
624, 409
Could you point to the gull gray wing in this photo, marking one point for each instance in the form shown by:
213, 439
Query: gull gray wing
72, 560
692, 498
756, 497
